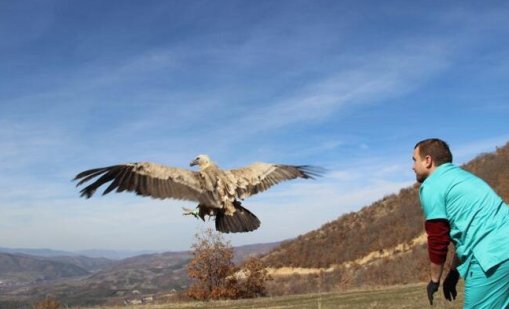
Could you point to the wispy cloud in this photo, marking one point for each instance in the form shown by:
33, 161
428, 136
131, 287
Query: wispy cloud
382, 75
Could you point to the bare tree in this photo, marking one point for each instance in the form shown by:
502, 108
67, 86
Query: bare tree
216, 276
212, 268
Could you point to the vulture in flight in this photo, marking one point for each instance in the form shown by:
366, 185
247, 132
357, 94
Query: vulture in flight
218, 192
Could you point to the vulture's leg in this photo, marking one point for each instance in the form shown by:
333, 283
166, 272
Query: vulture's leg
205, 211
194, 212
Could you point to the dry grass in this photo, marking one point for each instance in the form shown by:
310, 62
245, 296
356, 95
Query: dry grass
369, 258
408, 297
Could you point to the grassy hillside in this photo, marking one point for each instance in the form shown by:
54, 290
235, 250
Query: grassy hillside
386, 223
24, 279
26, 268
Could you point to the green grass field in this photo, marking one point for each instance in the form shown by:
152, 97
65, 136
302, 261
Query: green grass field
408, 296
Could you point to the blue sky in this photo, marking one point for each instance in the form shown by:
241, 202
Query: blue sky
347, 85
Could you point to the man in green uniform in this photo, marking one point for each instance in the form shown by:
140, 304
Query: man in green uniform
461, 207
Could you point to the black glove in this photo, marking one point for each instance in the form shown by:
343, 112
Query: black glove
450, 284
432, 288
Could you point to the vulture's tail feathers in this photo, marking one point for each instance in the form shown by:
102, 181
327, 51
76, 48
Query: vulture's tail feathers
241, 221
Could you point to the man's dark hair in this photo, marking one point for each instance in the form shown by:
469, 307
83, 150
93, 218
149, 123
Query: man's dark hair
436, 148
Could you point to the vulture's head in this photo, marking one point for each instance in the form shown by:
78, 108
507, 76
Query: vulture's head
203, 161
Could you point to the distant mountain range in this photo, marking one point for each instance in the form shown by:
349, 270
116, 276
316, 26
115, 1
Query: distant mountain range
76, 279
36, 252
240, 252
18, 268
95, 253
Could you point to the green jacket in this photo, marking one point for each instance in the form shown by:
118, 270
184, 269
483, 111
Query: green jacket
478, 217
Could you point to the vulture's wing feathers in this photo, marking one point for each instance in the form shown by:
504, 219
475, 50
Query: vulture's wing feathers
146, 179
258, 177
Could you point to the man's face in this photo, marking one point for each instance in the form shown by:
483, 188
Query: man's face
421, 166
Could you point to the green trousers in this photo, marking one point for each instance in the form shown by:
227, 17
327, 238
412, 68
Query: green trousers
487, 290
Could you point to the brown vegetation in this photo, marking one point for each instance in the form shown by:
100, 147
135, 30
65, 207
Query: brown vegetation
355, 235
216, 276
47, 304
253, 282
211, 267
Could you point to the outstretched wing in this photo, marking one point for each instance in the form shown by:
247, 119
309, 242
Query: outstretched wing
146, 179
258, 177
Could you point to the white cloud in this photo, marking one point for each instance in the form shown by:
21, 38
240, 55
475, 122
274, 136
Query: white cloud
388, 74
27, 143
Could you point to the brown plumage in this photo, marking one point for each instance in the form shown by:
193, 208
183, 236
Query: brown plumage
217, 191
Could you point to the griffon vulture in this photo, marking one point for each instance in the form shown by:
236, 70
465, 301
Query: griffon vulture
217, 191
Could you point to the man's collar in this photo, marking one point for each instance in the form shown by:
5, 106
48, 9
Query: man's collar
439, 170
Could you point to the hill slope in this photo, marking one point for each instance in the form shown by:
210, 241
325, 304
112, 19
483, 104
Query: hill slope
26, 268
79, 280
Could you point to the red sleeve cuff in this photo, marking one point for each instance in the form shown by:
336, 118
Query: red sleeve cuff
438, 239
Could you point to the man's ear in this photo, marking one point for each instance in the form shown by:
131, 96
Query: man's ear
429, 161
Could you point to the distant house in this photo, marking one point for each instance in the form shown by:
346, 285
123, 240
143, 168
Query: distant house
147, 299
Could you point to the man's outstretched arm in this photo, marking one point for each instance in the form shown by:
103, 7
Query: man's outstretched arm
438, 243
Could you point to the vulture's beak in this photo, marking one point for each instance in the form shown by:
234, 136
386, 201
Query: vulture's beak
193, 163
